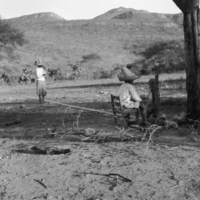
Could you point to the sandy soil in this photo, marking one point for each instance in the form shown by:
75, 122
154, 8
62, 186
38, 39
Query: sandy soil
102, 161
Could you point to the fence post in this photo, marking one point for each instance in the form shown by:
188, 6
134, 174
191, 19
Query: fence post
154, 87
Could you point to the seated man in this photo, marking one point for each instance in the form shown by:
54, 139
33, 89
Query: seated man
129, 96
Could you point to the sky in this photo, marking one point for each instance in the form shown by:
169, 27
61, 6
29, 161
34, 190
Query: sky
81, 9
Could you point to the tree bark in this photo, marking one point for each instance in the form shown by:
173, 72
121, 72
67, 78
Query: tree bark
190, 9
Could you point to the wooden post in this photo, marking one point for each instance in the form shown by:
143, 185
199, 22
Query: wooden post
154, 87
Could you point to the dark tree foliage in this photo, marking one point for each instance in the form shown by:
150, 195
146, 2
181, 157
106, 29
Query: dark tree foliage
10, 38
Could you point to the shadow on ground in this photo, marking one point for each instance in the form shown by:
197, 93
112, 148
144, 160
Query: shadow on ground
28, 120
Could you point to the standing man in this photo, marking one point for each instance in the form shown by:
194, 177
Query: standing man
41, 83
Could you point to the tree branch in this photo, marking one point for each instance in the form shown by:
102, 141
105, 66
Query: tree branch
180, 4
186, 5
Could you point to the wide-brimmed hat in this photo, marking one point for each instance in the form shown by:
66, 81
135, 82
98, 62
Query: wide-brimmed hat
126, 75
38, 62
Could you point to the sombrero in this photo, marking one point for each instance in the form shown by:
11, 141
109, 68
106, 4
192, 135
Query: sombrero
126, 75
38, 62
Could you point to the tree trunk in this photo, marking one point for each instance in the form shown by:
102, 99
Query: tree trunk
192, 64
190, 11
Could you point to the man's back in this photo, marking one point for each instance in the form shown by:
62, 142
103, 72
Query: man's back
128, 94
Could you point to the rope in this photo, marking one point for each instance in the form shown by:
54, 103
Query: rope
72, 106
78, 107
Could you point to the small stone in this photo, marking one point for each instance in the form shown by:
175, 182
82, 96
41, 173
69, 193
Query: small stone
60, 198
52, 198
90, 131
22, 106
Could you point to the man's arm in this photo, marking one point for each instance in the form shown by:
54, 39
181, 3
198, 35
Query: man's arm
134, 95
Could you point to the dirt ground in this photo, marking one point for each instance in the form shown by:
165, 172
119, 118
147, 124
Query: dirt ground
99, 160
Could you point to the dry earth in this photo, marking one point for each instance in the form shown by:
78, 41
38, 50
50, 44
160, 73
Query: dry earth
102, 161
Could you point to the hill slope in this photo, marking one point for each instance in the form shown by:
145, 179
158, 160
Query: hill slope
136, 15
105, 42
47, 16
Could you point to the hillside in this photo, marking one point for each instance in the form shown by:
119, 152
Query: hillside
135, 15
104, 42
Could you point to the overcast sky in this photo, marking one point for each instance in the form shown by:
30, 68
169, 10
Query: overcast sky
81, 9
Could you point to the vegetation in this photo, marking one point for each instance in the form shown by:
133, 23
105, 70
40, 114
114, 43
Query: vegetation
169, 54
10, 38
91, 56
96, 44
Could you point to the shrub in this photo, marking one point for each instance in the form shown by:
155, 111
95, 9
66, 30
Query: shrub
102, 74
92, 56
10, 38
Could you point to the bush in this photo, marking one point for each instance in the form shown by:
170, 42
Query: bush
92, 56
10, 38
102, 74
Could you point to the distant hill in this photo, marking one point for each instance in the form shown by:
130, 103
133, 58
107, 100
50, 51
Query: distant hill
115, 38
120, 13
47, 16
136, 15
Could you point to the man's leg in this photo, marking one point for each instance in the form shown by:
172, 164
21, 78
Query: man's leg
137, 116
127, 118
40, 98
143, 110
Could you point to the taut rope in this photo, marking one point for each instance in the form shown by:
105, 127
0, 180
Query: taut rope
72, 106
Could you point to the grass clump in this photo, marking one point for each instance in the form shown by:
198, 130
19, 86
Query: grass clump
91, 56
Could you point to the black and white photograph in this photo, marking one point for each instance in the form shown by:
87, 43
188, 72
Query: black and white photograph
99, 100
